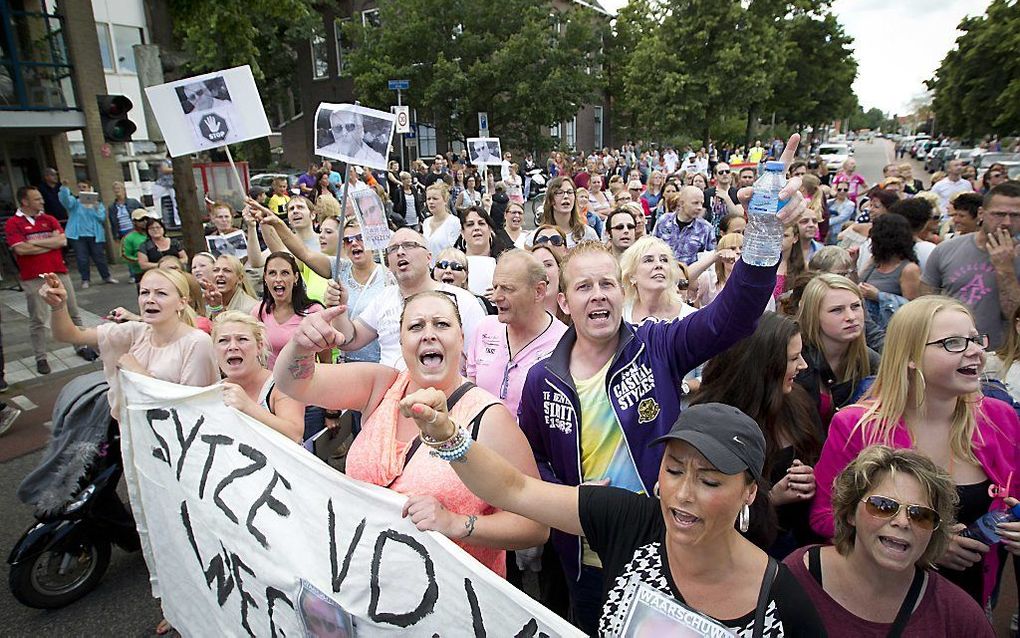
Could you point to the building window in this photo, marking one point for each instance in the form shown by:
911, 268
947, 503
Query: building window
598, 127
124, 40
426, 140
554, 131
370, 18
571, 133
105, 46
34, 67
342, 46
320, 56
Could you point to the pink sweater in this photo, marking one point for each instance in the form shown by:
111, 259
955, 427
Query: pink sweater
995, 446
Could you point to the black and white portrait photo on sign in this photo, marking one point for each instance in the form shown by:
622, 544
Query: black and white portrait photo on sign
484, 151
234, 244
208, 108
354, 134
208, 111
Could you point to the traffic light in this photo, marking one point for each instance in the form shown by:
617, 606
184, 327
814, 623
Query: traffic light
113, 110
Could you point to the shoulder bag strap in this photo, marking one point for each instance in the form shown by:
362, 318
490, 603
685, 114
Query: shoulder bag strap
814, 564
763, 597
477, 421
907, 608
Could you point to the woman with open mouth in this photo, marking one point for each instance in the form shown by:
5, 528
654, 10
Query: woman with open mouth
513, 225
560, 211
479, 237
164, 344
242, 353
927, 397
678, 546
284, 301
892, 511
388, 453
229, 288
831, 316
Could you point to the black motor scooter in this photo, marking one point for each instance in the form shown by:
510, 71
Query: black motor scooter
64, 555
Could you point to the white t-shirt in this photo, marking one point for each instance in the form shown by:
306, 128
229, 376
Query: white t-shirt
922, 249
946, 188
383, 316
480, 272
439, 239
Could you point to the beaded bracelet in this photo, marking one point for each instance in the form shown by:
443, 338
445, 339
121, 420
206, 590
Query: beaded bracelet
451, 449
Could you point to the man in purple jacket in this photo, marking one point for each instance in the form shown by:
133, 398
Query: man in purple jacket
592, 409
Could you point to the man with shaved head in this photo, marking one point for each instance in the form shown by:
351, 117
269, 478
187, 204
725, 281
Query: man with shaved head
684, 230
408, 258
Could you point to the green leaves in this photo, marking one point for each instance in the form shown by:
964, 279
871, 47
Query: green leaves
977, 86
524, 63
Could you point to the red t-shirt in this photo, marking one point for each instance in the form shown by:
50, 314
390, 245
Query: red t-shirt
19, 229
944, 610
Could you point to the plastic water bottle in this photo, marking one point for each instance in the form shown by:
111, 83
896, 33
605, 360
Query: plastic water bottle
763, 239
983, 528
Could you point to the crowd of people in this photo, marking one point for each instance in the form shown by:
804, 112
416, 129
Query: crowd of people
794, 450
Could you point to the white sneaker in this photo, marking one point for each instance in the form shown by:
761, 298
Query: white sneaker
111, 280
84, 284
7, 418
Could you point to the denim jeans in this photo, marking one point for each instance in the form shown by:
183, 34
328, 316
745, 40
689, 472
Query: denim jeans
86, 248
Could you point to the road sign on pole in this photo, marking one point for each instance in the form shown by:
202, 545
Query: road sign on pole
403, 118
399, 85
483, 124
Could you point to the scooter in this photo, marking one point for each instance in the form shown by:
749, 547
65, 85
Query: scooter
64, 555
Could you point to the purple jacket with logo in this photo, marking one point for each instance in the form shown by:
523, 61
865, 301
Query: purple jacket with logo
643, 384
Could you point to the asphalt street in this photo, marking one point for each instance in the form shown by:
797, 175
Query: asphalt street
122, 605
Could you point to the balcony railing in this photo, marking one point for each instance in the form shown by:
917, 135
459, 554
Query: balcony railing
35, 73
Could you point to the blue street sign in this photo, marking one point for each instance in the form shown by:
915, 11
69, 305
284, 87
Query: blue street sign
399, 85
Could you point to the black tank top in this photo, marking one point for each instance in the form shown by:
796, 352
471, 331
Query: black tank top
974, 503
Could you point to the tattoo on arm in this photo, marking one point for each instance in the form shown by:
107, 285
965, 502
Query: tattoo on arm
302, 367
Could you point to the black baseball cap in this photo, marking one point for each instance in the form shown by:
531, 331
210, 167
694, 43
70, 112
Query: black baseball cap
730, 440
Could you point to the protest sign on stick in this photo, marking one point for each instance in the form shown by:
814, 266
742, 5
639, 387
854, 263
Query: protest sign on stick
246, 533
354, 134
484, 151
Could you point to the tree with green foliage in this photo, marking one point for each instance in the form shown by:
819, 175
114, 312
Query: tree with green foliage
816, 85
977, 86
209, 36
524, 63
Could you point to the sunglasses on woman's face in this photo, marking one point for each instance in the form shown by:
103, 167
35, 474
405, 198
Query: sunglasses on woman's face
350, 239
884, 507
555, 240
455, 266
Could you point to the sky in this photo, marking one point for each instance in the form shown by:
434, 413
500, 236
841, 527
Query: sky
910, 36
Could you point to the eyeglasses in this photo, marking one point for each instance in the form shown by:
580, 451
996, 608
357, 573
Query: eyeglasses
350, 239
563, 193
960, 344
623, 227
723, 172
455, 266
407, 246
842, 190
349, 127
555, 240
884, 507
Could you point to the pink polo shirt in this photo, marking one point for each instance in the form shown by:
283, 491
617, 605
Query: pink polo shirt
489, 363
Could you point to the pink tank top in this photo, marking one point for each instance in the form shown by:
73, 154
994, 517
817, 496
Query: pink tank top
377, 457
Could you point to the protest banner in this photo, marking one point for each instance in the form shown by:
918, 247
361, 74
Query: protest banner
484, 151
372, 216
354, 134
246, 533
208, 111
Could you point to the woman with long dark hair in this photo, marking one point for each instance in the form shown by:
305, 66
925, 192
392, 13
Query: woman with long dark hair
284, 301
783, 410
561, 211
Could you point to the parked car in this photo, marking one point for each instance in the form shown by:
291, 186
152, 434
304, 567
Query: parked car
917, 142
937, 158
966, 155
924, 148
834, 155
984, 160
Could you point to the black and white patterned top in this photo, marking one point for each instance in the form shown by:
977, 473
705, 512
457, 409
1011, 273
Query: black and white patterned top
627, 531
